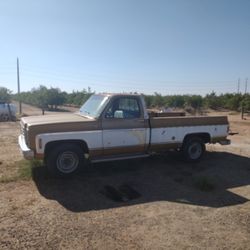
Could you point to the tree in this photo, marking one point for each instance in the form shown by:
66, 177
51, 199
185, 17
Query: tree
148, 100
78, 97
175, 101
55, 97
213, 101
246, 102
158, 100
195, 101
5, 94
233, 102
40, 97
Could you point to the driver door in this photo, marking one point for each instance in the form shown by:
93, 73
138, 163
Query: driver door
124, 127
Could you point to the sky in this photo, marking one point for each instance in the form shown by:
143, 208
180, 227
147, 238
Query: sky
144, 46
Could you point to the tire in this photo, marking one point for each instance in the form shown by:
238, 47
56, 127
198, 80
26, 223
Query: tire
65, 160
193, 149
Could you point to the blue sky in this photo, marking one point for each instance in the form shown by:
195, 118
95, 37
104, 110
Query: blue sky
168, 46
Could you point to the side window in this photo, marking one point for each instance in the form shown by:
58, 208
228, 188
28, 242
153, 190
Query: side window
124, 107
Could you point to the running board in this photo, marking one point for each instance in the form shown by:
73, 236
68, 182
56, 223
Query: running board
121, 157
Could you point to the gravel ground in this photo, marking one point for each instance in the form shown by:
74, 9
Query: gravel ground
170, 211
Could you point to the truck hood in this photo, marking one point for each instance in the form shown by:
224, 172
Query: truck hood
53, 119
35, 125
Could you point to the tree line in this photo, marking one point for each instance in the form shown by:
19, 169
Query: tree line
213, 101
50, 98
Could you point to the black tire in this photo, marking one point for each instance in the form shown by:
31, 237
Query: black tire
193, 149
65, 160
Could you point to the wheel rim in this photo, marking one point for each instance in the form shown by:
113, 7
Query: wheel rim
195, 150
67, 162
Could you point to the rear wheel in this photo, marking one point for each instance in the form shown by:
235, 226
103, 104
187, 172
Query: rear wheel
65, 160
193, 149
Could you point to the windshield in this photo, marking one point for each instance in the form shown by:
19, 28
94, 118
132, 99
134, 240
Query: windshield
94, 106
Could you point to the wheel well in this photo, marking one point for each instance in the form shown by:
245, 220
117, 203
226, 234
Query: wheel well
82, 144
204, 136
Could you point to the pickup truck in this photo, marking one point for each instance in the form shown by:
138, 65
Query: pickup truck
115, 127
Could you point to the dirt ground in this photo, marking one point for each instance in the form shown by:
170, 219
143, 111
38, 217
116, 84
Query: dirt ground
170, 212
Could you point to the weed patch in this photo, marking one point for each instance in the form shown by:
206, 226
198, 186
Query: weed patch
24, 171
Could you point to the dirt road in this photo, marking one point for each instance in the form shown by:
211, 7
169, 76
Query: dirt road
170, 211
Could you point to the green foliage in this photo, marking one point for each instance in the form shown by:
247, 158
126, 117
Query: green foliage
177, 101
78, 97
39, 97
55, 97
246, 102
158, 100
51, 98
5, 94
43, 97
24, 171
26, 168
195, 101
212, 101
233, 102
148, 100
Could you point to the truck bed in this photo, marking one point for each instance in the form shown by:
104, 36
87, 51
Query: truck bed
170, 132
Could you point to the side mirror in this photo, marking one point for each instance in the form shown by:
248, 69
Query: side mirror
118, 114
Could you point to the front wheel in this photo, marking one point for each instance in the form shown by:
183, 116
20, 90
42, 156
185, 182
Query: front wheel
193, 149
65, 160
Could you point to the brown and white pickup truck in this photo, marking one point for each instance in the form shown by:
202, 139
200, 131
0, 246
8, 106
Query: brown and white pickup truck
115, 127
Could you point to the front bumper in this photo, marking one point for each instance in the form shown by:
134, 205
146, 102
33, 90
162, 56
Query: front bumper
27, 152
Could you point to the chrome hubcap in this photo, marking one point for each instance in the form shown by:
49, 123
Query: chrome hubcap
67, 162
195, 150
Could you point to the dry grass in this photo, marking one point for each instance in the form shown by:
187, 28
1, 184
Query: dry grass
179, 206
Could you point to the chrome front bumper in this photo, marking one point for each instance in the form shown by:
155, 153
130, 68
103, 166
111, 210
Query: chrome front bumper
27, 152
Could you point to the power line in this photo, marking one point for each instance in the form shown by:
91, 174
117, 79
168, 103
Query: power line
48, 77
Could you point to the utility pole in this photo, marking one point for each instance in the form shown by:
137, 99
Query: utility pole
246, 86
243, 101
238, 86
18, 86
